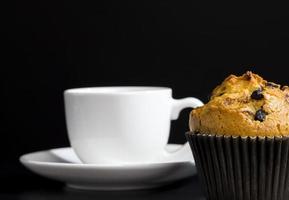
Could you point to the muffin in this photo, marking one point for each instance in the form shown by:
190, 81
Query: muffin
240, 140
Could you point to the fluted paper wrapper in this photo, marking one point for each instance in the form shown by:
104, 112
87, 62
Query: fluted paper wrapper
242, 168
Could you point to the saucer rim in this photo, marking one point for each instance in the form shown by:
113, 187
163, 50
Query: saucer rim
24, 159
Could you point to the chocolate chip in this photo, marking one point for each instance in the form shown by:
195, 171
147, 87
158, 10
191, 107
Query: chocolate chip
270, 84
257, 94
260, 115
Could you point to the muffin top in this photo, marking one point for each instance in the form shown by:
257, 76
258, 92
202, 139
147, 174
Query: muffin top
244, 105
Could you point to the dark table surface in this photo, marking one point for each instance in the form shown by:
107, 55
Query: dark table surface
19, 183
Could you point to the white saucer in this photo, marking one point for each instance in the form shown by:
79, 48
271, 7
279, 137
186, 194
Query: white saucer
62, 164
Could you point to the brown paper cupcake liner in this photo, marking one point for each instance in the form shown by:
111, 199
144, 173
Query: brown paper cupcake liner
242, 168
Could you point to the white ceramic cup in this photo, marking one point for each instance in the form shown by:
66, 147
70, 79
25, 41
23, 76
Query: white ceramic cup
115, 125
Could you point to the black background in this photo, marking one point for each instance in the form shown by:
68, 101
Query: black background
50, 46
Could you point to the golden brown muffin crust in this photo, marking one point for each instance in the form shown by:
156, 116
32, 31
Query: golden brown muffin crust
246, 105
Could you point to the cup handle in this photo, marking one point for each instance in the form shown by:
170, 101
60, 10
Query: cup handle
184, 152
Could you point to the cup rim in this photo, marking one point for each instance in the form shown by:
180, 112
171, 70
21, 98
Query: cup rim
117, 90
